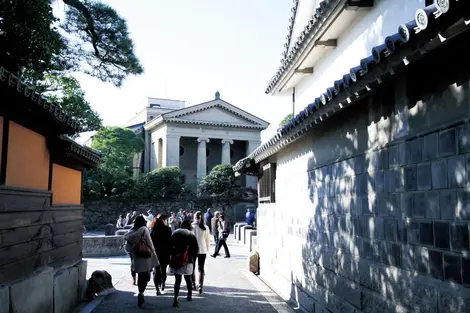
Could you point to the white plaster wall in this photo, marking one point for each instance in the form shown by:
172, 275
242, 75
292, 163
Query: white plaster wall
155, 134
381, 21
171, 147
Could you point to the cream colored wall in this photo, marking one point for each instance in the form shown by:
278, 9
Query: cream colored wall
28, 158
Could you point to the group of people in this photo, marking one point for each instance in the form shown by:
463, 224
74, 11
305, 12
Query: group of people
128, 219
174, 250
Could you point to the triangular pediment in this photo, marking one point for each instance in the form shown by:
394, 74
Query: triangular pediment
216, 111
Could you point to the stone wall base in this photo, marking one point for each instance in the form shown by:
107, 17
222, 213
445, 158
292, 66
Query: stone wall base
48, 290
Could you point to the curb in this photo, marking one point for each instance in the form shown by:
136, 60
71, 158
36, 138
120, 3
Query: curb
278, 303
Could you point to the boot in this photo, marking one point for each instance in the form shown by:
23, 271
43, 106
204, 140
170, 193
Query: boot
158, 290
201, 281
140, 300
193, 280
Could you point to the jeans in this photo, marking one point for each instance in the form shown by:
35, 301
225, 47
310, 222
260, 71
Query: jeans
159, 277
222, 243
216, 238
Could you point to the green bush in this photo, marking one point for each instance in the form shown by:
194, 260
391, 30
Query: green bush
162, 183
220, 180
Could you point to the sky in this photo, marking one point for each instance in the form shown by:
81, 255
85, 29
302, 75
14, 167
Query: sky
191, 49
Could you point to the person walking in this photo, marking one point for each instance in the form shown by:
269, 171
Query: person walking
173, 221
208, 217
223, 235
161, 237
184, 250
203, 237
215, 227
143, 255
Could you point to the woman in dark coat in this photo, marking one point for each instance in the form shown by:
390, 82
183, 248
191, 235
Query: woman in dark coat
141, 265
161, 237
183, 242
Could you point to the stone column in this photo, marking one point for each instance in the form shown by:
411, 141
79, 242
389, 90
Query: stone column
251, 181
201, 157
172, 145
226, 151
147, 151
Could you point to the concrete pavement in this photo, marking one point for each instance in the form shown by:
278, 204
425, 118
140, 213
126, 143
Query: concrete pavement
229, 287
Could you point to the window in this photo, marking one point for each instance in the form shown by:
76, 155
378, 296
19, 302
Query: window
267, 183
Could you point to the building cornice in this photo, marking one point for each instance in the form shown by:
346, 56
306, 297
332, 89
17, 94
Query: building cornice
176, 117
412, 40
213, 123
325, 14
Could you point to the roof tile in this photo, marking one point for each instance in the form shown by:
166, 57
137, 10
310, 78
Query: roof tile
408, 34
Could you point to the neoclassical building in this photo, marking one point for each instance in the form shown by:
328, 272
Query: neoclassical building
195, 138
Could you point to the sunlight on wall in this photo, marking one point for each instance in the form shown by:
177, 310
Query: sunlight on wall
66, 185
28, 158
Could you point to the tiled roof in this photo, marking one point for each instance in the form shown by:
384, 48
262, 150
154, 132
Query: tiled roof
325, 8
362, 78
89, 156
290, 29
14, 83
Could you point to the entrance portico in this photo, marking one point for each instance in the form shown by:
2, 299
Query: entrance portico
199, 137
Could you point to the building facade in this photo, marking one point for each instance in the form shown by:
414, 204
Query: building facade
195, 138
41, 224
363, 196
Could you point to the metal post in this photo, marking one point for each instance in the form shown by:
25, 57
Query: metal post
293, 101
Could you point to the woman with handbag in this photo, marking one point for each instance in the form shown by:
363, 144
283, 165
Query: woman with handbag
144, 258
223, 235
184, 250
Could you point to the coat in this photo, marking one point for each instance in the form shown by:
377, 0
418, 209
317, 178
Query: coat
140, 265
214, 225
161, 238
182, 239
203, 238
223, 228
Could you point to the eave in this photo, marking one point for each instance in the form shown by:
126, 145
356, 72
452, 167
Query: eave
318, 38
432, 26
67, 152
29, 108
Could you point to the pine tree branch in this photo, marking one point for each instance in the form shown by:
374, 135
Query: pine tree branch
91, 24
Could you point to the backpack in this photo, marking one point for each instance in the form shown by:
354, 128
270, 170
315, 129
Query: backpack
180, 259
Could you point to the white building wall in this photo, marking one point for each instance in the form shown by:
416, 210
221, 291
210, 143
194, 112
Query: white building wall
154, 136
381, 21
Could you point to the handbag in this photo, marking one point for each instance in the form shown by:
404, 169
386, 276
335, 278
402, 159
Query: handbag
180, 259
141, 249
225, 234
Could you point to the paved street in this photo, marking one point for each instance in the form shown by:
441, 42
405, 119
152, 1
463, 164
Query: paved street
229, 287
